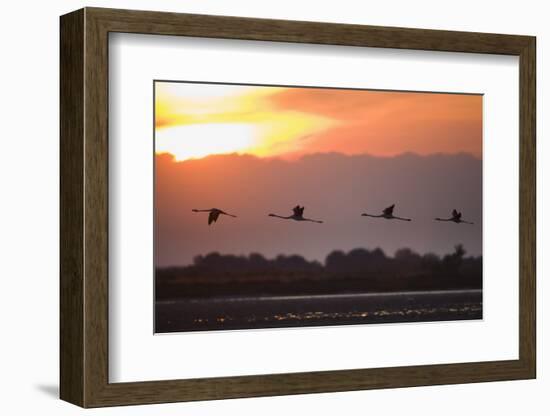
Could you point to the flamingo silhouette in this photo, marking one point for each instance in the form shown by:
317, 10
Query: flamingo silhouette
297, 216
455, 217
214, 214
387, 213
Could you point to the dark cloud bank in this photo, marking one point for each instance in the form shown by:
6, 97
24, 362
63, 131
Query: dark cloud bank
333, 187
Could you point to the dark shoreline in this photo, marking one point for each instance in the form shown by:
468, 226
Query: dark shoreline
257, 286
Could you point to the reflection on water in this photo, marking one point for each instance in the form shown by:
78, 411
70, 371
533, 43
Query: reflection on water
222, 313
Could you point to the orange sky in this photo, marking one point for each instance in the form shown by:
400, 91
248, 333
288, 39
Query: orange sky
197, 120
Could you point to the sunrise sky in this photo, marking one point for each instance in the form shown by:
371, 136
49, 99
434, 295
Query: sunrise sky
197, 120
254, 150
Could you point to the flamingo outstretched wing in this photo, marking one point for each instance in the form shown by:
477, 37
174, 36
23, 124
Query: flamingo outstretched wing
298, 210
213, 216
389, 210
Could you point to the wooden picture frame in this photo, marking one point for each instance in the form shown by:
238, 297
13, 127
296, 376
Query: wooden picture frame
84, 207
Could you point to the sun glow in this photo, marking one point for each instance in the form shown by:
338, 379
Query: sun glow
200, 140
197, 120
193, 121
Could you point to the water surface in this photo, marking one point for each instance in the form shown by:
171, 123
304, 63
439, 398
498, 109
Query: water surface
247, 312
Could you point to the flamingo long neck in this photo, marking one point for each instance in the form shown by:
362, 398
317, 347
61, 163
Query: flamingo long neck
280, 216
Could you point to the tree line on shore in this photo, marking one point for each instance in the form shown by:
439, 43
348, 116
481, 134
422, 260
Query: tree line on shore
360, 269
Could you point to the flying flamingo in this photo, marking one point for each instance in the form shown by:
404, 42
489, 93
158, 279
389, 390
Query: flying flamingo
456, 217
297, 216
387, 213
214, 214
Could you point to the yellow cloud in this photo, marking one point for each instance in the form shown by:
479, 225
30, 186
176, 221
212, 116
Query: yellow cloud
195, 120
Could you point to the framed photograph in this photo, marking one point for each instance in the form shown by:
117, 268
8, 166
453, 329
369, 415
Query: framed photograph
274, 146
255, 207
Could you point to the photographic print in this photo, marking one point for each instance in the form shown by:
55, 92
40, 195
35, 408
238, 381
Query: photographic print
287, 206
